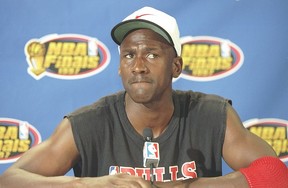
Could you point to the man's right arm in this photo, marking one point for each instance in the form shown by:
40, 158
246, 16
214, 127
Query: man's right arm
53, 157
46, 164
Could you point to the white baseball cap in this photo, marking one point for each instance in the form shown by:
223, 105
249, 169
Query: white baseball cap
149, 18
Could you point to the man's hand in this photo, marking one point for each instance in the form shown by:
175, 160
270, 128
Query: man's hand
111, 181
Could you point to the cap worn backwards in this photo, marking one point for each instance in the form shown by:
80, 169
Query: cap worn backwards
149, 18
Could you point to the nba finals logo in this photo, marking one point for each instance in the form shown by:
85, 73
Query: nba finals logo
207, 58
16, 137
66, 56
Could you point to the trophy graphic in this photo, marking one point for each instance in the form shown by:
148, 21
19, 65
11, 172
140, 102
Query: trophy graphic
36, 52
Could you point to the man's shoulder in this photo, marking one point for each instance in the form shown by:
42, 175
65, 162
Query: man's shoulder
101, 104
110, 99
195, 96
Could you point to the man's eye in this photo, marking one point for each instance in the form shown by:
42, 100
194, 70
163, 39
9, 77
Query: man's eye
129, 56
151, 56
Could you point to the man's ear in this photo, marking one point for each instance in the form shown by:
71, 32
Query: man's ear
119, 71
177, 66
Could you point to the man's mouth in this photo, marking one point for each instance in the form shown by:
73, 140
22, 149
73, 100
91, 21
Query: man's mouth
136, 80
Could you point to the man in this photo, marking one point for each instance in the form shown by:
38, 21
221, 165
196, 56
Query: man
194, 130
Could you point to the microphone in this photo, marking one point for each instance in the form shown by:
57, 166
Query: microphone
151, 154
148, 134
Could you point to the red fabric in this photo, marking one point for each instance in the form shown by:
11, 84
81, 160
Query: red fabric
266, 172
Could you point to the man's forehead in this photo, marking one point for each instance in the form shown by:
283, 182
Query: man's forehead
145, 35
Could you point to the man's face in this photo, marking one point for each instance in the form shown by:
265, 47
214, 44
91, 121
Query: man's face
147, 65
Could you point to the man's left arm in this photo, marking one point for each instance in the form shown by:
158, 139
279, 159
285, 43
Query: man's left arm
254, 162
253, 157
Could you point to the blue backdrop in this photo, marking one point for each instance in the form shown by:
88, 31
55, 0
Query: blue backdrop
255, 77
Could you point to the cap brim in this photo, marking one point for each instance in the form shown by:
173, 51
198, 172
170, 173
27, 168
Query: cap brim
120, 31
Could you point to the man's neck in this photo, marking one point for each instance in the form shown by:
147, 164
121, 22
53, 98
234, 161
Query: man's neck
155, 116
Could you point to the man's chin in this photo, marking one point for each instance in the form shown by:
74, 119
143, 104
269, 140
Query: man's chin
141, 99
140, 96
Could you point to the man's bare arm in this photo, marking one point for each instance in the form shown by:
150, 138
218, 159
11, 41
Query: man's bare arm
53, 157
45, 165
240, 149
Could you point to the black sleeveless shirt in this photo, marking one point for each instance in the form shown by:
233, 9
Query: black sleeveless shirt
190, 147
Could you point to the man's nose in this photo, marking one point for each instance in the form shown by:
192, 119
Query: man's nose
139, 65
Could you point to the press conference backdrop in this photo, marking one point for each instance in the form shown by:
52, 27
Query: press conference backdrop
57, 56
